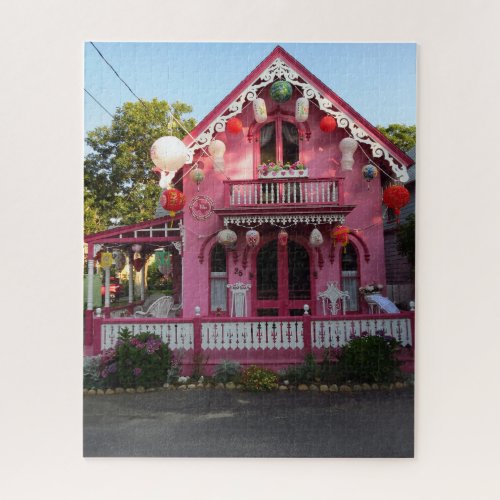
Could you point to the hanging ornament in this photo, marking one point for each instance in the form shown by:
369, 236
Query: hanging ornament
172, 200
347, 147
328, 124
253, 238
396, 197
301, 109
119, 259
340, 235
165, 179
234, 125
259, 110
369, 173
227, 237
138, 263
106, 260
136, 248
281, 91
163, 262
169, 153
217, 149
283, 238
316, 238
197, 176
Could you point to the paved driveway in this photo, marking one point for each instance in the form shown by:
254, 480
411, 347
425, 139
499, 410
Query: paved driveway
223, 423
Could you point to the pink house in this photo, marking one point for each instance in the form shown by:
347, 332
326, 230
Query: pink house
261, 298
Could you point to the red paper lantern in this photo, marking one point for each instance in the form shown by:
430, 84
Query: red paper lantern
340, 235
396, 197
172, 200
328, 124
234, 125
283, 238
138, 263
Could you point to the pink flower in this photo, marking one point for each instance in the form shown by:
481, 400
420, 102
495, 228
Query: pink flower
137, 371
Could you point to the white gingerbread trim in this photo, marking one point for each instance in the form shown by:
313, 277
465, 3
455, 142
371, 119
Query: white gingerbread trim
253, 220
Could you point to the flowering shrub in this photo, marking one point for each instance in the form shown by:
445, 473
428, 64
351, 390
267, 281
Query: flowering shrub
258, 379
371, 288
266, 168
136, 360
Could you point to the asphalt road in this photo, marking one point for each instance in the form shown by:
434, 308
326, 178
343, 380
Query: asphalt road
223, 423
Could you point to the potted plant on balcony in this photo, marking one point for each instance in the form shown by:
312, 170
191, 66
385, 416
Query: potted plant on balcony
371, 289
281, 170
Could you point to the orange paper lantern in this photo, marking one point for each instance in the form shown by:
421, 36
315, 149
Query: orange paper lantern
234, 125
340, 235
328, 124
396, 197
172, 200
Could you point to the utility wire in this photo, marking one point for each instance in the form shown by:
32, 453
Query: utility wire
98, 103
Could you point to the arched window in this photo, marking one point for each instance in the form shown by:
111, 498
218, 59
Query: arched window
218, 279
279, 142
350, 276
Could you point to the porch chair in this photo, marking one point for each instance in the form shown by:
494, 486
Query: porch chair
160, 308
239, 299
333, 299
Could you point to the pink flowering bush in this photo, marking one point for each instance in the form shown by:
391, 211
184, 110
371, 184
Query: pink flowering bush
270, 167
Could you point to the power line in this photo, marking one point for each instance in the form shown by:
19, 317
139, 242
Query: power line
98, 103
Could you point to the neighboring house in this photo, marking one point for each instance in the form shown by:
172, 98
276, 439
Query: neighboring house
278, 278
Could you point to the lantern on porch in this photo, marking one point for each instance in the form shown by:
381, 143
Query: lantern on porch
281, 91
234, 125
217, 149
369, 172
283, 238
136, 248
340, 235
253, 238
396, 197
106, 260
197, 176
316, 238
227, 237
259, 110
347, 147
172, 200
328, 124
168, 153
119, 259
301, 109
138, 263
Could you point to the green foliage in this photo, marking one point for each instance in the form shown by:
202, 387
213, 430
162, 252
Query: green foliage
255, 378
119, 183
402, 136
227, 371
406, 239
199, 362
305, 373
156, 280
369, 359
92, 372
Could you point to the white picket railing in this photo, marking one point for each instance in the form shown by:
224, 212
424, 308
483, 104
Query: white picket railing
337, 333
252, 335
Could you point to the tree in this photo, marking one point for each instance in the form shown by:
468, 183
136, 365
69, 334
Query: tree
402, 136
119, 182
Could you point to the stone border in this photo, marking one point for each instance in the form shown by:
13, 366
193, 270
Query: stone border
346, 388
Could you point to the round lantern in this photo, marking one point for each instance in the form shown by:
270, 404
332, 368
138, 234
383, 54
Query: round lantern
328, 124
301, 109
136, 248
106, 260
217, 149
340, 235
281, 91
172, 200
226, 237
347, 147
234, 125
283, 238
253, 238
396, 197
138, 263
168, 153
259, 110
369, 173
197, 176
119, 260
316, 238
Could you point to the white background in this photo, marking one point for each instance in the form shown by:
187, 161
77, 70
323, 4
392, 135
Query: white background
41, 130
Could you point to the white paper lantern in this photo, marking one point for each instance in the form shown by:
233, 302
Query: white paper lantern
166, 179
302, 109
227, 237
169, 153
253, 238
316, 238
136, 248
217, 148
347, 147
259, 110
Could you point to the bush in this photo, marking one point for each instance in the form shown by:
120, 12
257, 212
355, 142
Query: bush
258, 379
227, 371
369, 359
92, 372
305, 373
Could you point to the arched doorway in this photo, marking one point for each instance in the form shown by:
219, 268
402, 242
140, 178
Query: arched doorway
282, 280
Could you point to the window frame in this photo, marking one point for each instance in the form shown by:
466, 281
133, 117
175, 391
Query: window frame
217, 276
357, 277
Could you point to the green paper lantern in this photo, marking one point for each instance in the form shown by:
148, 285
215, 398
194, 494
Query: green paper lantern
281, 91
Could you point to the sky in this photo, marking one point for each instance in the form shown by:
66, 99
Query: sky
376, 79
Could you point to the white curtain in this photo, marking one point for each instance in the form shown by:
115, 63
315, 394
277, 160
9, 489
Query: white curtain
290, 133
266, 133
350, 283
218, 291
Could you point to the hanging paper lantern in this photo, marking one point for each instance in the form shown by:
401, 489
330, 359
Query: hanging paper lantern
347, 147
301, 109
340, 235
136, 248
328, 124
369, 172
259, 110
217, 149
396, 197
106, 260
234, 125
227, 237
253, 238
169, 153
119, 259
172, 200
163, 261
283, 238
165, 179
316, 238
98, 256
138, 263
197, 176
281, 91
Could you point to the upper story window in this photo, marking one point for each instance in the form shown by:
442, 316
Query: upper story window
279, 142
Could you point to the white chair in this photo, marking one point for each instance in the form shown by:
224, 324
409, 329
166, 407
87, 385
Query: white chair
239, 299
333, 299
160, 308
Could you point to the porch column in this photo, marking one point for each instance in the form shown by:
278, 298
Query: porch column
143, 274
130, 278
90, 277
106, 286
